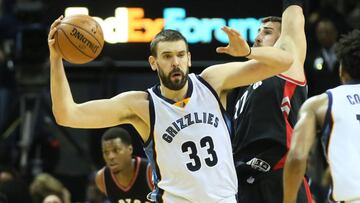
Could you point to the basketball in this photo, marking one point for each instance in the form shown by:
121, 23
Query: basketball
79, 39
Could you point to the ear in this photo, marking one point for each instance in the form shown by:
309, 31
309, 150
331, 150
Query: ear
131, 149
340, 71
152, 62
342, 74
189, 59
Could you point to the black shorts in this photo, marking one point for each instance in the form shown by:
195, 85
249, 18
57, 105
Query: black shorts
268, 188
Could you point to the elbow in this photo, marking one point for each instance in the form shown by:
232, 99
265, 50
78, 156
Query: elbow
61, 117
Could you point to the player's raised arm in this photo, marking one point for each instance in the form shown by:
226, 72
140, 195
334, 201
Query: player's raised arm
267, 61
292, 37
93, 114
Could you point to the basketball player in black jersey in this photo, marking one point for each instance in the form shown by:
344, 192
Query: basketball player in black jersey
266, 111
336, 115
124, 178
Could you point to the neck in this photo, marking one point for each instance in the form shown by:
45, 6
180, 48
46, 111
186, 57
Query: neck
175, 95
125, 176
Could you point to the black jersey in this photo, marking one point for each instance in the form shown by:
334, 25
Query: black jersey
136, 191
264, 116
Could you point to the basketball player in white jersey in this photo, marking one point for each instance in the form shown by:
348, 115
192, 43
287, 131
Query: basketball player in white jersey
336, 115
181, 121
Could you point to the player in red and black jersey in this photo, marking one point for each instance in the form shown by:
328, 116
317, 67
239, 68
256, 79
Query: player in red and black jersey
124, 178
266, 111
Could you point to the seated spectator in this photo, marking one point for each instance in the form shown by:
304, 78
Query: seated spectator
52, 199
45, 185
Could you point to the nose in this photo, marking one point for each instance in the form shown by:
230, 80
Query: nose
175, 61
111, 155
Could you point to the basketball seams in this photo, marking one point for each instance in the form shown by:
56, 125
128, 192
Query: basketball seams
80, 39
74, 44
83, 30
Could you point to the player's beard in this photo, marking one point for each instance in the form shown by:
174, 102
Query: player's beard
176, 84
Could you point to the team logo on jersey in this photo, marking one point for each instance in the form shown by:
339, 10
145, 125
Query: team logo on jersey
188, 120
285, 105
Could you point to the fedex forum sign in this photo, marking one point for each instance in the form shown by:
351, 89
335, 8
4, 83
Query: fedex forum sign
129, 25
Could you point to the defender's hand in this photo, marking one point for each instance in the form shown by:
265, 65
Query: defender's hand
51, 41
237, 45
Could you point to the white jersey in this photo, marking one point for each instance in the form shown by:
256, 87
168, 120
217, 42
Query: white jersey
190, 148
343, 151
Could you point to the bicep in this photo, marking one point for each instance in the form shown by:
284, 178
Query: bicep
102, 113
304, 134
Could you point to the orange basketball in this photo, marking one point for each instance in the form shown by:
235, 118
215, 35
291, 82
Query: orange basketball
79, 39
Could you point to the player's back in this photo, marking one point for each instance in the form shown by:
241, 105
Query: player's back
342, 136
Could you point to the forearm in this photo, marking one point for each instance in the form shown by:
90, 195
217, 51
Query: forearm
302, 139
272, 56
294, 171
293, 20
61, 96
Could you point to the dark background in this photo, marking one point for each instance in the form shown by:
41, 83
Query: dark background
72, 155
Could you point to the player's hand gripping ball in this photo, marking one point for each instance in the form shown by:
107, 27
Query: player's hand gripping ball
79, 39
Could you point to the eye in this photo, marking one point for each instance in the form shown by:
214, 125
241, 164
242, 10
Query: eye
167, 56
181, 55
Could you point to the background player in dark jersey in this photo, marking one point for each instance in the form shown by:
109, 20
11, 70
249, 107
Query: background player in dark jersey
124, 178
335, 113
266, 111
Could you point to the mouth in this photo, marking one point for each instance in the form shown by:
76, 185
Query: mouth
176, 75
113, 165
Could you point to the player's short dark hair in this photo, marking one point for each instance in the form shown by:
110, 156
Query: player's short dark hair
348, 53
275, 19
117, 132
166, 36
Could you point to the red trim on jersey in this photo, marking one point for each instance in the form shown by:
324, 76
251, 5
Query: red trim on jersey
301, 83
149, 177
289, 90
307, 190
102, 175
127, 188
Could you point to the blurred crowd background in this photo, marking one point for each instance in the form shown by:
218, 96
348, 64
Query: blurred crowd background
38, 157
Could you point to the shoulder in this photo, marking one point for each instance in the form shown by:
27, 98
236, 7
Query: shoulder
316, 101
316, 106
100, 180
136, 101
149, 176
133, 95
